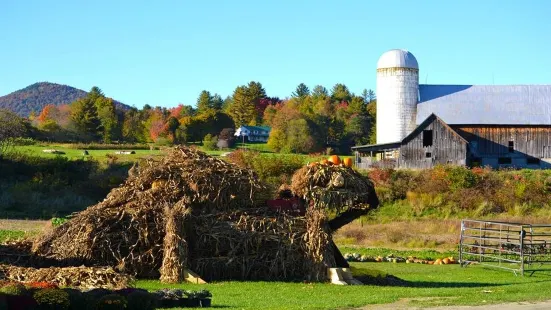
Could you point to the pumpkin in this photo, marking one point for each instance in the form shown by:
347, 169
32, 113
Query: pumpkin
324, 162
446, 261
312, 164
334, 159
438, 262
347, 162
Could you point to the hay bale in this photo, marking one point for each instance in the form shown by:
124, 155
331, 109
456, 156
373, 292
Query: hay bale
251, 245
127, 229
175, 248
82, 277
334, 187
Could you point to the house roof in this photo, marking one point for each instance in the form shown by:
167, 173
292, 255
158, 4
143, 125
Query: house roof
266, 128
486, 104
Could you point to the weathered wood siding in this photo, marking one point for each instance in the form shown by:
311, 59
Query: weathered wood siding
447, 147
493, 141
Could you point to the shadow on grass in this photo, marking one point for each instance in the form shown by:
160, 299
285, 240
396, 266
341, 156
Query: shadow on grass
395, 281
426, 284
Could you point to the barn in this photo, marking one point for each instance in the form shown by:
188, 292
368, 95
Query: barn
420, 126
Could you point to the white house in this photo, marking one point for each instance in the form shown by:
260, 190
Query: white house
253, 133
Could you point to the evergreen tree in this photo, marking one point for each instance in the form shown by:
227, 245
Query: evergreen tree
319, 92
108, 117
301, 91
204, 102
340, 93
85, 118
217, 102
242, 109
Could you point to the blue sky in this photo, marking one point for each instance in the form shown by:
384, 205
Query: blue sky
165, 52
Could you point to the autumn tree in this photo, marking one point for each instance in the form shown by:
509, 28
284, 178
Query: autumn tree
133, 126
11, 126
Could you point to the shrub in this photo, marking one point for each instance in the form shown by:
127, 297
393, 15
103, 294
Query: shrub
401, 181
138, 300
20, 141
162, 141
209, 142
112, 302
380, 176
52, 298
58, 221
3, 302
461, 177
77, 300
14, 289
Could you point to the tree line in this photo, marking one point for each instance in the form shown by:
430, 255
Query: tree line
308, 121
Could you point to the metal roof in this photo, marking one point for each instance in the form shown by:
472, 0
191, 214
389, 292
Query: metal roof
397, 59
486, 104
377, 147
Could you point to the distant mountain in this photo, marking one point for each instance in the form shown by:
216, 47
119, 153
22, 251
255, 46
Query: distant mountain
34, 97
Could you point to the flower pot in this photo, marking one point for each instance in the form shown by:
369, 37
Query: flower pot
205, 302
190, 303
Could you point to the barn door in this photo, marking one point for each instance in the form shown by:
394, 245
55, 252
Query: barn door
547, 152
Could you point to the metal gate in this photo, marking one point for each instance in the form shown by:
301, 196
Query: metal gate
516, 247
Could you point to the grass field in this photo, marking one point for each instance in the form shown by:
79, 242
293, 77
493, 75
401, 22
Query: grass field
72, 153
37, 150
426, 285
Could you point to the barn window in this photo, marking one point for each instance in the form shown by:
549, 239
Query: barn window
511, 146
504, 161
532, 161
427, 137
428, 155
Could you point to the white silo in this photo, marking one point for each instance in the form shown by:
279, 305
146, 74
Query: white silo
397, 95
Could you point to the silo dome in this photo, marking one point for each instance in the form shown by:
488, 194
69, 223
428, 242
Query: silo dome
397, 59
397, 93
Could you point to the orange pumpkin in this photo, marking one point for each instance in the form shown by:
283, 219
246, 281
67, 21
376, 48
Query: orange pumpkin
347, 162
334, 159
324, 162
445, 261
312, 164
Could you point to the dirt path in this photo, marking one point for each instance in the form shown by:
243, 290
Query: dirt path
406, 303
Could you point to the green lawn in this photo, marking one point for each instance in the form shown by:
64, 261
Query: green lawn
71, 153
6, 235
427, 285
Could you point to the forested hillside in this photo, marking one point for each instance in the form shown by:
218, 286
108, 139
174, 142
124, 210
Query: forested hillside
36, 96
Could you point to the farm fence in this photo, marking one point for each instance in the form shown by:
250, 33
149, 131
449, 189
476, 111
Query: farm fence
516, 247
